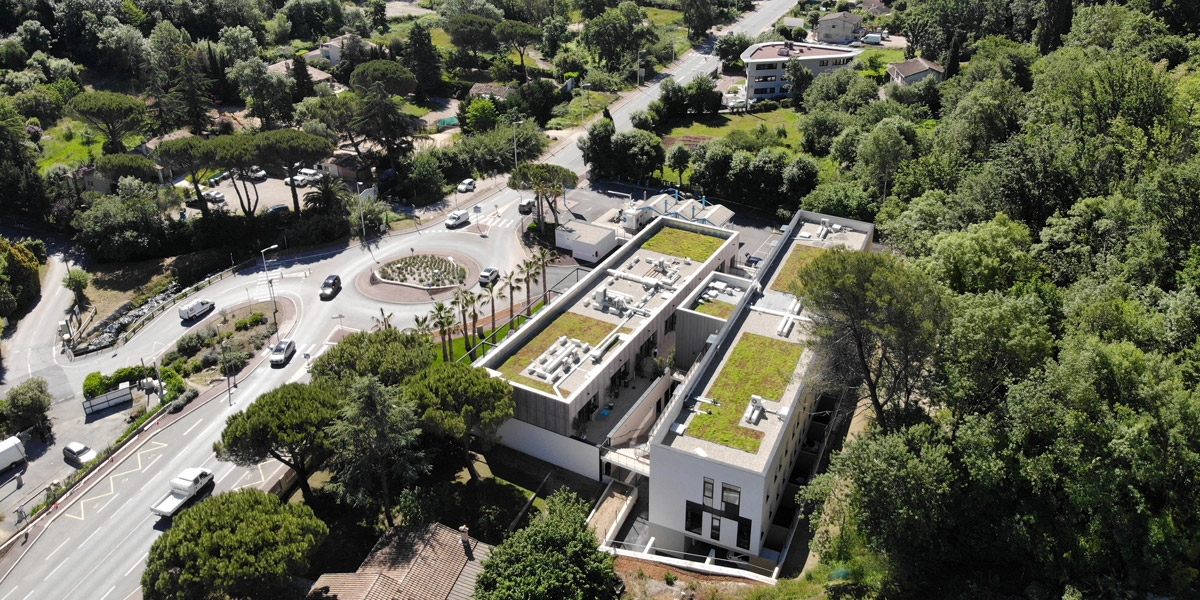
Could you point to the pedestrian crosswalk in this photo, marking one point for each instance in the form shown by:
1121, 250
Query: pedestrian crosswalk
498, 222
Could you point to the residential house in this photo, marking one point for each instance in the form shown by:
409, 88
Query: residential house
345, 165
766, 64
428, 562
147, 148
317, 75
876, 7
914, 70
839, 28
592, 395
332, 50
492, 90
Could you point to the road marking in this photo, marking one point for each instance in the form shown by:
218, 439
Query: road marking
135, 565
110, 590
91, 536
106, 557
58, 548
223, 475
109, 501
11, 592
189, 429
53, 570
151, 464
28, 595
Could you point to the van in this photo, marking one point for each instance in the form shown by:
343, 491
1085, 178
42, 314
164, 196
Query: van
196, 309
872, 38
457, 218
12, 453
311, 175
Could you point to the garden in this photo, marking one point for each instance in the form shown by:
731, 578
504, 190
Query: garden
424, 270
223, 347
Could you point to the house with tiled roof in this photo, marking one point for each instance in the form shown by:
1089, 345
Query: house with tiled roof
839, 28
914, 70
428, 562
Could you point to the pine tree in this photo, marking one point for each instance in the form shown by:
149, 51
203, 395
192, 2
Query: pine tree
304, 82
422, 58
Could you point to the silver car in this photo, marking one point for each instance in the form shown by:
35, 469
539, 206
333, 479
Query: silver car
283, 352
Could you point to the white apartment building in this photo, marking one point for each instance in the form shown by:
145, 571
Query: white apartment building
766, 64
725, 437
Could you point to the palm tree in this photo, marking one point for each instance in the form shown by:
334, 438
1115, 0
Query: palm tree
512, 284
465, 301
495, 292
383, 321
443, 319
543, 258
329, 197
422, 325
529, 275
473, 309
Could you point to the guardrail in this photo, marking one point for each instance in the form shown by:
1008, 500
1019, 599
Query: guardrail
184, 293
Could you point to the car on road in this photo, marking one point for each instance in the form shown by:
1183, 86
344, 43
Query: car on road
283, 352
456, 218
467, 185
525, 207
78, 454
254, 172
331, 287
214, 197
488, 277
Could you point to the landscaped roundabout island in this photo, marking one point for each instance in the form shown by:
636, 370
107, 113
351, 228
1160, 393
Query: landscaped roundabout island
419, 277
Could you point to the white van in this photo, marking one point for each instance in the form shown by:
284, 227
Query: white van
872, 38
196, 309
12, 453
311, 175
457, 218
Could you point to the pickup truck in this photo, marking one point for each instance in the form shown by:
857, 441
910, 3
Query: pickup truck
184, 487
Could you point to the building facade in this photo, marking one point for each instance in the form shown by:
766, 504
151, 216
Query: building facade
766, 65
839, 28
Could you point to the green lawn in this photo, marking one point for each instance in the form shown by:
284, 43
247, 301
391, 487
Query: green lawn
721, 125
716, 308
441, 39
573, 326
684, 244
757, 365
57, 148
415, 110
789, 273
587, 101
885, 55
663, 16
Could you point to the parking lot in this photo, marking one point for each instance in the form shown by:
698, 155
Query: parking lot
271, 192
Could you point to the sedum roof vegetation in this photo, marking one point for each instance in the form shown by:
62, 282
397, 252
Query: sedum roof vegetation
684, 244
572, 325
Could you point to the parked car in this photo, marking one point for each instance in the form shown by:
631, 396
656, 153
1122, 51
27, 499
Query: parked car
312, 175
254, 172
12, 453
457, 218
298, 181
467, 185
279, 208
331, 287
283, 352
488, 277
214, 197
78, 454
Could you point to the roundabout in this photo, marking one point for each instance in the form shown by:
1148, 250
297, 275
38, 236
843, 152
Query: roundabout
418, 277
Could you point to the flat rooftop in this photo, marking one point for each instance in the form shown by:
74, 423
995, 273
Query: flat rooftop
577, 344
763, 352
780, 51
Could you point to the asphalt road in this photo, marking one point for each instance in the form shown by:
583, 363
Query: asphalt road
96, 545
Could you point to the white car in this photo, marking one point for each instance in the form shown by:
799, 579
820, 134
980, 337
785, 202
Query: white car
298, 181
78, 454
467, 185
254, 172
283, 352
214, 197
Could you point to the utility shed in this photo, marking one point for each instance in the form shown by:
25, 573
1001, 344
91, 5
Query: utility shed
585, 241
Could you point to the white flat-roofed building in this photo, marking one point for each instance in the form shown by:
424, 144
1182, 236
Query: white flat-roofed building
766, 64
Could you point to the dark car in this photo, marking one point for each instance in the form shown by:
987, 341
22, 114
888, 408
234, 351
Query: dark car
331, 287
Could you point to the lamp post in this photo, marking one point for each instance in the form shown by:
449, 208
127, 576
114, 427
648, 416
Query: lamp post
263, 253
583, 109
515, 123
339, 317
361, 218
225, 369
274, 307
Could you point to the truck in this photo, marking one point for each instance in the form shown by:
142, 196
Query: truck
196, 309
12, 453
184, 487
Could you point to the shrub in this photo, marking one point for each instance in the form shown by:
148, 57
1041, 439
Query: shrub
250, 322
176, 406
189, 394
210, 358
93, 384
233, 360
669, 578
191, 343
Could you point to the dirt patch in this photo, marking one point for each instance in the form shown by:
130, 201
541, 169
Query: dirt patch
691, 141
645, 579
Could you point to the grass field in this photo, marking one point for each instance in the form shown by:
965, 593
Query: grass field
885, 55
721, 125
663, 16
441, 39
684, 244
57, 148
789, 273
757, 365
587, 101
716, 308
573, 326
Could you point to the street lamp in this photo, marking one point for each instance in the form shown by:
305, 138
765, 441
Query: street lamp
263, 253
515, 123
225, 370
361, 218
274, 307
582, 109
339, 317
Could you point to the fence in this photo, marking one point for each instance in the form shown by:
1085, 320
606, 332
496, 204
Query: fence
107, 400
184, 293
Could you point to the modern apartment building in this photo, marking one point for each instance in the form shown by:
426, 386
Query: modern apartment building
728, 431
766, 64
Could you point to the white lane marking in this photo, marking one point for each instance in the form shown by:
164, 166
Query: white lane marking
135, 564
110, 590
108, 556
223, 475
57, 549
90, 537
10, 592
28, 595
53, 570
114, 497
147, 467
189, 429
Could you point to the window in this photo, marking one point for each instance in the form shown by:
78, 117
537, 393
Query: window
731, 497
766, 67
670, 324
708, 491
764, 91
823, 63
841, 61
693, 519
716, 528
763, 78
743, 535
